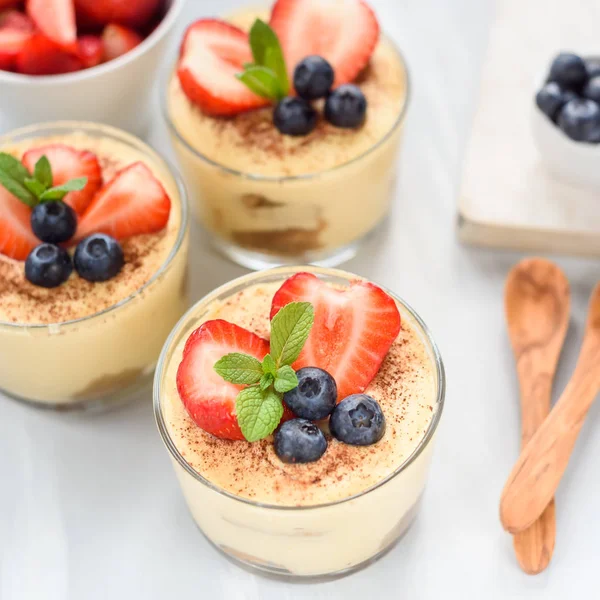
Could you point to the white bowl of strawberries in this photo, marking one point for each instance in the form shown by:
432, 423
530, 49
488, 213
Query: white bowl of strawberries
91, 60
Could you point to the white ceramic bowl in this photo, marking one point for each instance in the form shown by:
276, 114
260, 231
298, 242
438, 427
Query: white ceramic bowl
116, 93
577, 163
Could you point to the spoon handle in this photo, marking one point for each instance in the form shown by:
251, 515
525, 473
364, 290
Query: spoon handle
540, 467
535, 545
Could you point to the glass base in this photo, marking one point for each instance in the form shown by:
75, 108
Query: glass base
257, 261
99, 404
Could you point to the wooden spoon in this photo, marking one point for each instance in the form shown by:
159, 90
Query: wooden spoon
537, 304
538, 471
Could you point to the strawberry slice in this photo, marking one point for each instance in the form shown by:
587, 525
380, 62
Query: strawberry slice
212, 53
90, 50
133, 203
55, 19
131, 13
15, 30
41, 56
345, 32
352, 332
69, 163
118, 40
208, 398
16, 237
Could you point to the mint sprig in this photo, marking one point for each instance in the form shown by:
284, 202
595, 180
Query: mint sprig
31, 189
267, 75
259, 407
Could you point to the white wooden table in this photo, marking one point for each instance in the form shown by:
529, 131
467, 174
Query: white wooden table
89, 505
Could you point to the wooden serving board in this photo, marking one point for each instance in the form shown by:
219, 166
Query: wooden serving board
508, 198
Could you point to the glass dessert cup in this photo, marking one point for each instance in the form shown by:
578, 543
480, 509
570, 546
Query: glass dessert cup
103, 359
302, 541
321, 217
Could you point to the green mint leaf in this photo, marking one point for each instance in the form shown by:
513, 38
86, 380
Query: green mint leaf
265, 381
16, 188
258, 412
262, 81
13, 167
60, 191
266, 51
289, 331
34, 186
239, 368
269, 366
43, 172
285, 380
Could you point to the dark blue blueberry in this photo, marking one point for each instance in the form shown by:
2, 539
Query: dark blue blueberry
551, 98
54, 222
569, 71
315, 396
48, 266
294, 116
299, 441
580, 120
591, 91
357, 420
592, 66
98, 257
313, 78
346, 106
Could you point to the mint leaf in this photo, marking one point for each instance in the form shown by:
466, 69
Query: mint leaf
258, 412
289, 331
285, 380
34, 186
13, 167
266, 51
265, 381
239, 368
262, 81
43, 172
269, 366
16, 188
60, 191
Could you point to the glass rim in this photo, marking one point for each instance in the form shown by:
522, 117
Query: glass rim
123, 136
164, 107
285, 272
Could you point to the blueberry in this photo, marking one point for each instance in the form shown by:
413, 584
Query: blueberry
299, 441
592, 66
569, 71
346, 106
98, 257
592, 89
357, 420
315, 396
53, 222
48, 266
580, 120
551, 98
313, 77
294, 116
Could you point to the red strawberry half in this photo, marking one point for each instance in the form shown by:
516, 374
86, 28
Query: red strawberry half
118, 40
69, 163
41, 56
16, 238
90, 50
55, 19
345, 32
208, 398
352, 332
133, 203
132, 13
15, 30
211, 54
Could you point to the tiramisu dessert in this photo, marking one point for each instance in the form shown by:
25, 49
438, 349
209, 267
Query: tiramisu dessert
287, 128
295, 402
93, 248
